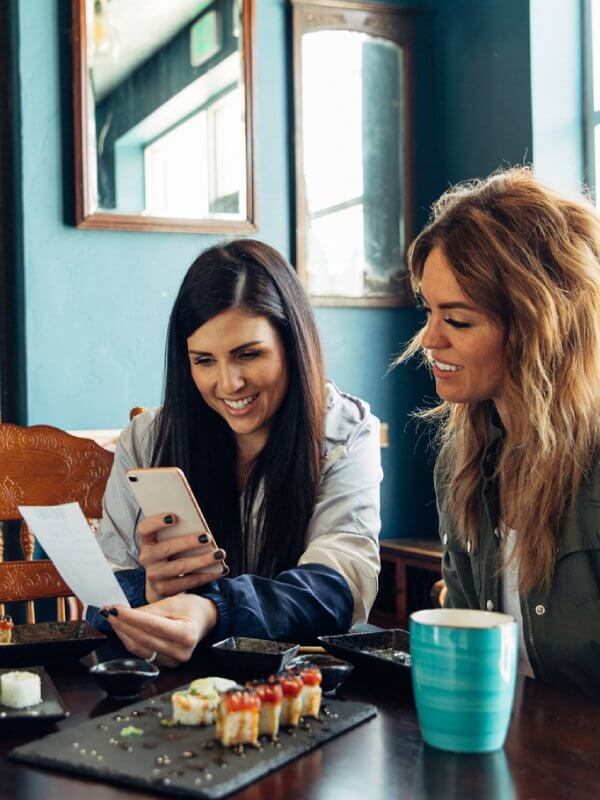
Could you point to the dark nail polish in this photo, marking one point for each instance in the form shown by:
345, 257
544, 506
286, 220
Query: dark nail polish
225, 570
113, 612
203, 538
104, 612
218, 555
168, 519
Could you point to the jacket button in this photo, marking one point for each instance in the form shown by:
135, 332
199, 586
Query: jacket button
445, 539
490, 606
540, 610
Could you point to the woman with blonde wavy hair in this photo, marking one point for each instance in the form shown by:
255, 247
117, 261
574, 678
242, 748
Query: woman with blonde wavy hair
509, 275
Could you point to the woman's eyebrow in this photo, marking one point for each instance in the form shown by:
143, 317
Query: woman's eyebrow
447, 306
232, 351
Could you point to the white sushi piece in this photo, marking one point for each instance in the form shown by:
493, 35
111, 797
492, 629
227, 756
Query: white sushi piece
237, 717
237, 727
291, 710
20, 689
190, 708
268, 721
311, 700
197, 704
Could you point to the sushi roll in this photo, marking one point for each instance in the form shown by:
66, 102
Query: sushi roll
311, 691
238, 716
6, 629
20, 689
291, 704
271, 696
197, 705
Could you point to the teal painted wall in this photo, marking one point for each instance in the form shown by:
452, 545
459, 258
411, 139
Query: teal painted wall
97, 301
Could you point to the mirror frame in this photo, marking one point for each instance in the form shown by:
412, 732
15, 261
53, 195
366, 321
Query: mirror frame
386, 22
87, 214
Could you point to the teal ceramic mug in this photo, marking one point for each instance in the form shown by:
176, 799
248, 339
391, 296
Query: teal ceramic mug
464, 666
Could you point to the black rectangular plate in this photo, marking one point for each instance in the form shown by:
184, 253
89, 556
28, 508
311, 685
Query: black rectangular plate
86, 749
51, 708
389, 649
49, 643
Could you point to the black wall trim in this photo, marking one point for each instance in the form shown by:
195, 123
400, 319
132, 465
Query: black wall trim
13, 397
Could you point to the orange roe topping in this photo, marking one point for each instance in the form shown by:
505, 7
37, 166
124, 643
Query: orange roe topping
6, 623
269, 691
311, 676
291, 684
241, 700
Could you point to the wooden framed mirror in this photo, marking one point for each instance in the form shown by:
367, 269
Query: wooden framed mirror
164, 115
354, 163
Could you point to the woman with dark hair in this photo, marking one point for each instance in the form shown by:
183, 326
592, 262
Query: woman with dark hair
285, 467
509, 274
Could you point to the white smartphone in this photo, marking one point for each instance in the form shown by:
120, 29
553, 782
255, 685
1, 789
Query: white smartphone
165, 490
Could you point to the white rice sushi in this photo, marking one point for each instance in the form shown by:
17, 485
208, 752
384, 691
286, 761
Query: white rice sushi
311, 692
20, 689
197, 705
238, 717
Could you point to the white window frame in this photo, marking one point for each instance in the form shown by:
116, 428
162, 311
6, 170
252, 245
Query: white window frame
591, 116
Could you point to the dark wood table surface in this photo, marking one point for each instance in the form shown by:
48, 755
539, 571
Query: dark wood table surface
552, 750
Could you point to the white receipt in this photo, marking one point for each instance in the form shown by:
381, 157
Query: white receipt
65, 535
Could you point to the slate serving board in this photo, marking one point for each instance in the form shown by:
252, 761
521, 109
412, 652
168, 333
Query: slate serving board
182, 760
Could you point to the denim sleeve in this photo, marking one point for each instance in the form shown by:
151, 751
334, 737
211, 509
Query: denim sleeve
298, 605
133, 583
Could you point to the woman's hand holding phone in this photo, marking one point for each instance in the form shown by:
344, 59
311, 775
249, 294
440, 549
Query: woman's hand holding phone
170, 567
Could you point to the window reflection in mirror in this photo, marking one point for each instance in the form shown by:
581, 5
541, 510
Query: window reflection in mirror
167, 123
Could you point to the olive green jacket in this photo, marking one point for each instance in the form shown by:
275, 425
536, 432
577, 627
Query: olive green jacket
561, 627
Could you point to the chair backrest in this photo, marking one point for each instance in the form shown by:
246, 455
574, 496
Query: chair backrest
42, 465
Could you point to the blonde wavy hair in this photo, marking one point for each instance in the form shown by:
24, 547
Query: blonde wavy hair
531, 260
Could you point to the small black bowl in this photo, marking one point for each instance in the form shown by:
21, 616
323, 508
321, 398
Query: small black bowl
243, 657
124, 678
334, 670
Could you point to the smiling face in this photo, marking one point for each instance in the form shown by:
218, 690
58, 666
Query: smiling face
238, 364
466, 347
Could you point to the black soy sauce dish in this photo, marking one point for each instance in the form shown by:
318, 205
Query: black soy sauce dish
124, 678
241, 657
334, 670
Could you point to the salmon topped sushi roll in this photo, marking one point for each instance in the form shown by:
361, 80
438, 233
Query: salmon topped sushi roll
238, 717
271, 696
311, 691
291, 704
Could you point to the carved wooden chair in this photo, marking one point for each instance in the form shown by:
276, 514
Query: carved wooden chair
41, 465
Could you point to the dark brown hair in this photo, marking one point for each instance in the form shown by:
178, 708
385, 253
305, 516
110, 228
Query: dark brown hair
252, 276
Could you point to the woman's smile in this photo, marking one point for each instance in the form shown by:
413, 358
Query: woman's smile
245, 405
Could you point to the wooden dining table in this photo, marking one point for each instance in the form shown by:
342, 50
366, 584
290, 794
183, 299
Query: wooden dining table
552, 749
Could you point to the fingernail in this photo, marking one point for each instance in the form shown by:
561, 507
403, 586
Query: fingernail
113, 612
225, 570
203, 538
104, 612
168, 519
218, 555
